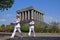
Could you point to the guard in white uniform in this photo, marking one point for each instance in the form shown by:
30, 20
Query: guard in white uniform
31, 28
17, 27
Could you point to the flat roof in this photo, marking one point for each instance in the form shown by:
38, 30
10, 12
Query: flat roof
30, 8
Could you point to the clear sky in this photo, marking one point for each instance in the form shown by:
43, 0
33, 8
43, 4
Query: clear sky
51, 10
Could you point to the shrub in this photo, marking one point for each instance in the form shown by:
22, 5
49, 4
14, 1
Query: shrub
25, 28
37, 29
9, 28
12, 28
0, 29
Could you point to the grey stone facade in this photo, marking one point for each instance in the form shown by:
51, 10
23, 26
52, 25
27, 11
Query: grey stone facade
29, 12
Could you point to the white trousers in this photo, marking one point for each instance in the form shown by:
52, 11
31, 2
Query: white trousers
15, 29
31, 29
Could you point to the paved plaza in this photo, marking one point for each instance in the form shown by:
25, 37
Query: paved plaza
39, 36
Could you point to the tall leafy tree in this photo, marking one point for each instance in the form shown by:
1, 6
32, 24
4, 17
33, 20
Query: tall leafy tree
6, 4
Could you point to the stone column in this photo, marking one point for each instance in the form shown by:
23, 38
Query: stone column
42, 17
31, 13
22, 16
25, 15
37, 16
28, 15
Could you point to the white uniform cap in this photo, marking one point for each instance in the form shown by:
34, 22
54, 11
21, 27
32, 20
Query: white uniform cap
17, 14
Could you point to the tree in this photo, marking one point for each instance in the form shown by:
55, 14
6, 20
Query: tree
6, 4
2, 27
9, 28
54, 26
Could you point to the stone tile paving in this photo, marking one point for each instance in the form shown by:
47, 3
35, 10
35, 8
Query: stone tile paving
39, 36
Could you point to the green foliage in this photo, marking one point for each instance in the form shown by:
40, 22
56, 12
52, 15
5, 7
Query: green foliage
9, 28
2, 28
41, 28
55, 27
2, 25
50, 29
37, 29
6, 4
25, 28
